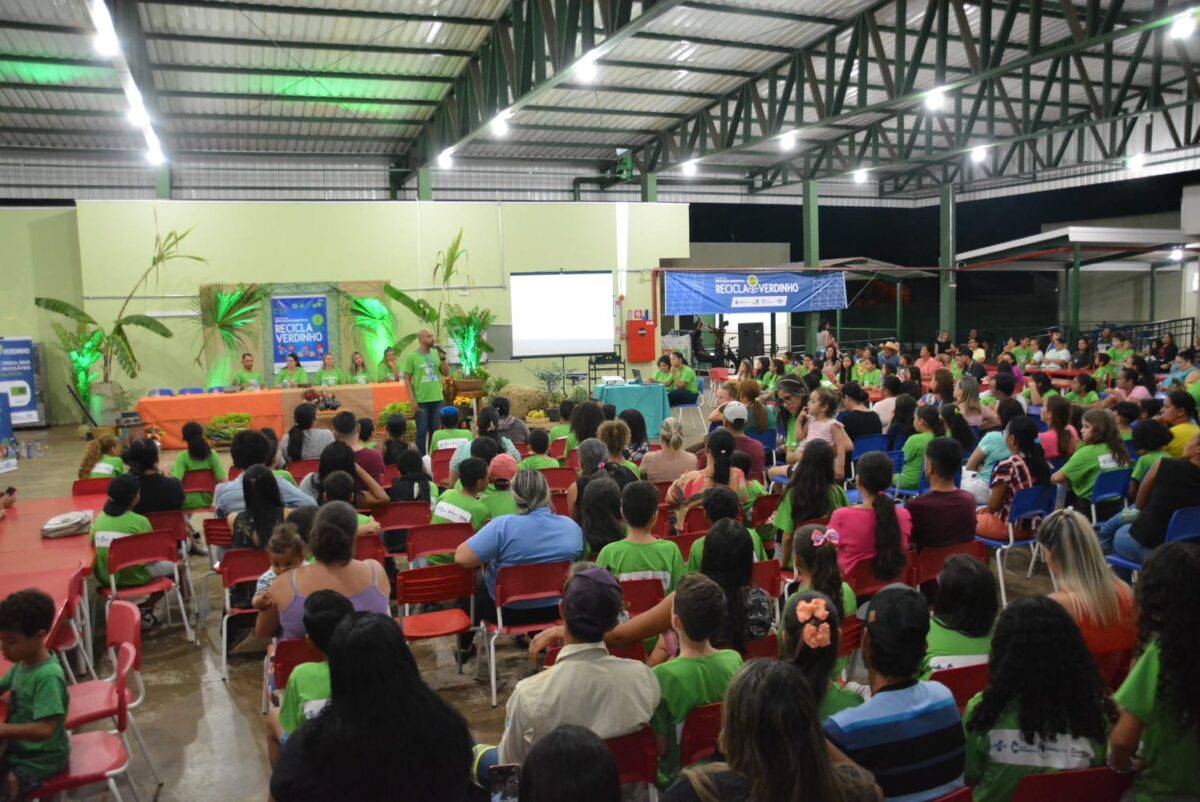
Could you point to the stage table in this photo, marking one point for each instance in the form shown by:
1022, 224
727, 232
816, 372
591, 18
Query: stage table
267, 408
648, 399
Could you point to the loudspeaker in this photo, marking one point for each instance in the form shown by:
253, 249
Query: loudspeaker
750, 339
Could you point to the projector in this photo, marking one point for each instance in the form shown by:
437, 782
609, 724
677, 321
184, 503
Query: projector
609, 381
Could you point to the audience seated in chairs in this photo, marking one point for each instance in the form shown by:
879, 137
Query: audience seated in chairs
960, 631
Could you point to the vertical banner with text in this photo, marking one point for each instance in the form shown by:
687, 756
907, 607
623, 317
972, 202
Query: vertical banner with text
17, 380
299, 325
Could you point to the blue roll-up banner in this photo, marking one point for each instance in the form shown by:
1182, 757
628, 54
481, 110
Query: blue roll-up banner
17, 379
299, 325
707, 293
8, 446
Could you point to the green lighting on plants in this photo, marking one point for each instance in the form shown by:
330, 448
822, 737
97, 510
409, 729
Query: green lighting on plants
374, 320
84, 354
466, 329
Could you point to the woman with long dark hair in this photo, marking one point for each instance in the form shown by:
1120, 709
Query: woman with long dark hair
812, 627
811, 493
639, 446
957, 426
875, 529
902, 427
304, 440
960, 630
253, 526
600, 514
487, 425
395, 444
856, 417
156, 492
199, 456
1057, 722
380, 713
774, 747
941, 389
293, 374
688, 490
728, 560
1025, 467
569, 764
339, 456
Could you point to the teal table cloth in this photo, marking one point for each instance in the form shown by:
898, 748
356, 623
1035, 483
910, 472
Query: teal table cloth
648, 399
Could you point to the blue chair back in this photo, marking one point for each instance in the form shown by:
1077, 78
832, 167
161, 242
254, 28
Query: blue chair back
767, 439
1041, 425
1111, 485
897, 460
1184, 525
191, 391
867, 443
216, 389
1032, 501
1056, 463
162, 391
1132, 449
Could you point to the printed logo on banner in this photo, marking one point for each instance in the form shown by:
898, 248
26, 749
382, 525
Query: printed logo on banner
299, 326
17, 379
705, 293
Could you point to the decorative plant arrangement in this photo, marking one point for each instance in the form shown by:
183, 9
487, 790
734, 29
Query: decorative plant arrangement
375, 324
221, 429
466, 329
395, 408
228, 315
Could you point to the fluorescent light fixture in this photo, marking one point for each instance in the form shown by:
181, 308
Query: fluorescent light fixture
445, 159
433, 32
1177, 254
500, 123
1184, 25
1136, 162
585, 69
105, 41
1195, 282
787, 141
689, 167
155, 156
936, 99
137, 116
860, 175
979, 154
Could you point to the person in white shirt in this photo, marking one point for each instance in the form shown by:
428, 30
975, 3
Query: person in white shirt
1057, 355
885, 407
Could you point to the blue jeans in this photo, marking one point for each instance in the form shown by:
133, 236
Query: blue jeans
428, 413
1108, 531
1125, 546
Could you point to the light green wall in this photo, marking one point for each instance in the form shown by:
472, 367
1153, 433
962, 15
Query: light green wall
395, 242
39, 255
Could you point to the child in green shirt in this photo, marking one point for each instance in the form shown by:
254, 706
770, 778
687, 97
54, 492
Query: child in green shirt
641, 555
960, 630
814, 555
1105, 372
199, 456
811, 628
463, 506
449, 434
1100, 449
928, 425
720, 502
115, 521
307, 691
34, 733
539, 444
565, 410
102, 459
498, 497
1083, 391
699, 675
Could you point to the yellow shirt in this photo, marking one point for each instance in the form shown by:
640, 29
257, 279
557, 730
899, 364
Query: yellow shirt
1181, 433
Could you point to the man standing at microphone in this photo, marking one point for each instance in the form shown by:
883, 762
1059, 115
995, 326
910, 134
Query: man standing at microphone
423, 370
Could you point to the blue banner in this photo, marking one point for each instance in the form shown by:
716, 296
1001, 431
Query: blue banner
299, 325
691, 293
17, 380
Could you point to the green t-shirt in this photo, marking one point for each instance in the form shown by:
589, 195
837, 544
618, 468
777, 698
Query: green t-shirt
662, 376
363, 376
184, 463
285, 475
768, 381
427, 383
1144, 462
1105, 375
383, 373
693, 562
306, 695
1126, 435
949, 648
849, 599
1023, 355
1119, 355
1029, 394
108, 467
836, 700
687, 683
326, 378
456, 507
295, 376
1082, 400
535, 462
659, 560
1086, 464
455, 438
689, 378
248, 378
754, 489
997, 760
106, 529
914, 459
783, 513
559, 430
498, 502
37, 694
871, 378
1172, 757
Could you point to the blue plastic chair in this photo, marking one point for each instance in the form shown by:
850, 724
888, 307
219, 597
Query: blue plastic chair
1132, 449
165, 392
191, 391
1032, 502
1056, 463
216, 389
1184, 525
1040, 424
1109, 486
897, 458
864, 445
694, 405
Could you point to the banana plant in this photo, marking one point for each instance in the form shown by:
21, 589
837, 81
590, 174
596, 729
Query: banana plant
374, 320
421, 309
228, 315
445, 270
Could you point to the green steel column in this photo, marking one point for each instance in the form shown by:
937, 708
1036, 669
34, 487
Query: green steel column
162, 181
838, 326
424, 184
899, 311
812, 258
1153, 308
948, 276
649, 188
1076, 254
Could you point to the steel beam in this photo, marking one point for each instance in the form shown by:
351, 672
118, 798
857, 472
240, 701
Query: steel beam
948, 275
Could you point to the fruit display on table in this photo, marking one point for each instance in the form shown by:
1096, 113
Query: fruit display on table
536, 415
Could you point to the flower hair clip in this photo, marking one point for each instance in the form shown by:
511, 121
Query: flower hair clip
814, 613
820, 538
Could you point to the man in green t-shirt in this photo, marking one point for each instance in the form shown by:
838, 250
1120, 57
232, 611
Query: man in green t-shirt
34, 733
641, 555
423, 370
683, 388
462, 506
248, 378
699, 675
539, 445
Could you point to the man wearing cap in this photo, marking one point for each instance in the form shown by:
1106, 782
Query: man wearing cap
735, 417
586, 686
908, 734
968, 365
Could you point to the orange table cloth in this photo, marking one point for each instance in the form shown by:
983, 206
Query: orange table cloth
266, 408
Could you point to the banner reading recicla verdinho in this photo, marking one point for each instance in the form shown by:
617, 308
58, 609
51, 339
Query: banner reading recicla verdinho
299, 325
708, 293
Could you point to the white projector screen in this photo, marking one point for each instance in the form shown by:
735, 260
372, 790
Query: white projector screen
561, 314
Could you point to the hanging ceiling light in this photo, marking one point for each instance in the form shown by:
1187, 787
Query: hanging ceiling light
445, 159
936, 99
1184, 25
1136, 162
788, 141
860, 175
689, 167
979, 154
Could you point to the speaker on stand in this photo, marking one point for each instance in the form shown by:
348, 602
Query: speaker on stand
750, 340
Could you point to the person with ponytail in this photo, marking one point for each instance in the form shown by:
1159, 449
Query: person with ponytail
304, 440
811, 631
811, 493
671, 461
1101, 450
199, 456
875, 529
927, 424
1060, 437
728, 560
1026, 467
688, 490
102, 459
957, 426
762, 417
815, 557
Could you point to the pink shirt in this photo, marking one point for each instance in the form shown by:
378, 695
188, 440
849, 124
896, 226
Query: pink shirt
856, 534
928, 367
1049, 441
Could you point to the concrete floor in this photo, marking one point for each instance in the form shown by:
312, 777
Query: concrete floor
206, 735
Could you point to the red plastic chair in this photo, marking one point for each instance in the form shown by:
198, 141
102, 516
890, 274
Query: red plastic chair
559, 479
1094, 785
662, 525
635, 651
431, 584
558, 448
694, 520
234, 473
864, 582
701, 729
765, 574
282, 659
302, 467
401, 515
67, 631
573, 460
764, 507
218, 534
1114, 667
522, 449
964, 682
439, 466
535, 581
97, 699
238, 566
662, 488
767, 648
124, 625
560, 503
174, 521
636, 756
204, 481
685, 541
151, 547
370, 547
390, 474
98, 757
436, 539
929, 561
850, 637
641, 594
89, 487
963, 794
